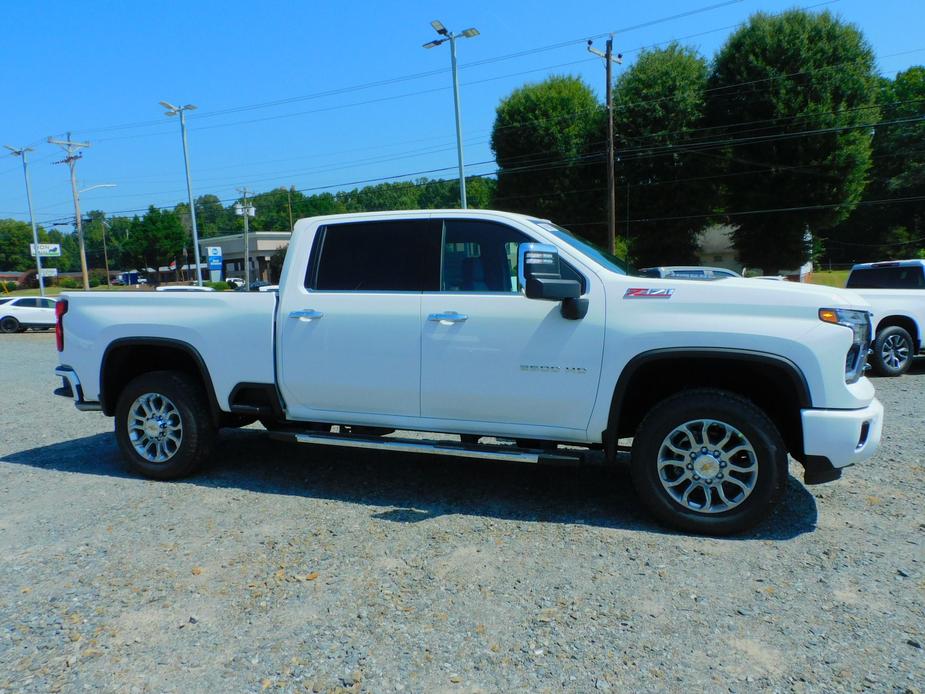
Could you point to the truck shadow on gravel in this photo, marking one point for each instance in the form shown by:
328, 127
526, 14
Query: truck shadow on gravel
416, 488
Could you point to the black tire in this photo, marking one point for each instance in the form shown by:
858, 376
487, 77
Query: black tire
8, 324
767, 465
190, 408
893, 352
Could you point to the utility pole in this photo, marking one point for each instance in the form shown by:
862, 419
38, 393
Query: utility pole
289, 203
609, 60
451, 37
247, 211
105, 254
71, 148
24, 153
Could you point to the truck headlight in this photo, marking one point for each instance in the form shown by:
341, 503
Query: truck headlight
859, 324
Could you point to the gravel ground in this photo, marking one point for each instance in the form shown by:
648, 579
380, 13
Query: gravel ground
297, 568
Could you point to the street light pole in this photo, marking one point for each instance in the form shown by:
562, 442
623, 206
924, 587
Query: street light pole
181, 111
24, 153
451, 37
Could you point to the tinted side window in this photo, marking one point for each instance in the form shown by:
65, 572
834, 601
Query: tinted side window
27, 303
402, 255
47, 303
887, 278
482, 257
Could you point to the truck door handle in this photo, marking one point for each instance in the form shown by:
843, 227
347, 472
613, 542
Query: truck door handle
306, 314
448, 317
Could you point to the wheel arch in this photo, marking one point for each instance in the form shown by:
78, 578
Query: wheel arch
772, 382
907, 323
127, 358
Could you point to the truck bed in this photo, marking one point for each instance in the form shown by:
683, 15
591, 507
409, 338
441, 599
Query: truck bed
231, 331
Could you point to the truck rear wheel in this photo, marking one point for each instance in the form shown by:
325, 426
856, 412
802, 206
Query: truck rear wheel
893, 351
163, 425
708, 461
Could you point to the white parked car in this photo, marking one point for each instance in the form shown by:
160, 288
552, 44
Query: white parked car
184, 288
19, 314
688, 272
491, 324
896, 291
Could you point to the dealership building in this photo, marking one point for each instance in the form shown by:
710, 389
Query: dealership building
261, 245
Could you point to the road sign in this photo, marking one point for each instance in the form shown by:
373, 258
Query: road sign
49, 272
214, 254
50, 250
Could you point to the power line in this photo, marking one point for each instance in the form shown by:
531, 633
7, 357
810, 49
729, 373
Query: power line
428, 73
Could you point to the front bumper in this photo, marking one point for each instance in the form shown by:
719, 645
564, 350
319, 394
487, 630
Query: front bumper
71, 389
834, 439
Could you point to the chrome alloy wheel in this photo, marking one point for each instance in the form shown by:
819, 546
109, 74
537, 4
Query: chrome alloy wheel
154, 427
707, 466
894, 351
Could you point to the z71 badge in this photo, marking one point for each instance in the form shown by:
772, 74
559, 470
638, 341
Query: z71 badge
650, 293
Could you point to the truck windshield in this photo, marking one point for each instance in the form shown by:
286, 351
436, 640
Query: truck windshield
609, 261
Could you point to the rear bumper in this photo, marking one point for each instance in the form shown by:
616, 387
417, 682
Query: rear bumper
834, 439
71, 389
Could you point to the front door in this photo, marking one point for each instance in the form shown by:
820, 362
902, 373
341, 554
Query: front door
489, 354
350, 338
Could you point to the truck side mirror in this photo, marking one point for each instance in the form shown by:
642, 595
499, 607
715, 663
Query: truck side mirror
540, 276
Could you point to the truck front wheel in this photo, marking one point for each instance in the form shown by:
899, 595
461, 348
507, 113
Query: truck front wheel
163, 425
893, 351
708, 461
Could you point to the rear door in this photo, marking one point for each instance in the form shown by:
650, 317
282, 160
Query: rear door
490, 354
350, 337
27, 311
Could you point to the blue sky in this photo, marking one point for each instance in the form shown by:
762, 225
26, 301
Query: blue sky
277, 82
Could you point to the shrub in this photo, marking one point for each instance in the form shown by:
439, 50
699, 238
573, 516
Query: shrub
68, 283
218, 286
30, 280
8, 286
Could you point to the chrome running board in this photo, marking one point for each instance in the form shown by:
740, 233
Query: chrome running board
431, 447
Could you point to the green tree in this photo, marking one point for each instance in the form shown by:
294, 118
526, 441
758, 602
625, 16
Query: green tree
212, 219
15, 237
794, 93
549, 163
276, 264
658, 106
156, 239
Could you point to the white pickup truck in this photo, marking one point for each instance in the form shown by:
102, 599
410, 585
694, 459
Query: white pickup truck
513, 334
896, 292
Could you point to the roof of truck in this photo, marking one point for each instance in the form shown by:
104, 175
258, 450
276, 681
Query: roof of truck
912, 262
420, 213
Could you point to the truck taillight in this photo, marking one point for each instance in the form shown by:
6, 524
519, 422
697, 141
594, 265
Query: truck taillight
60, 310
